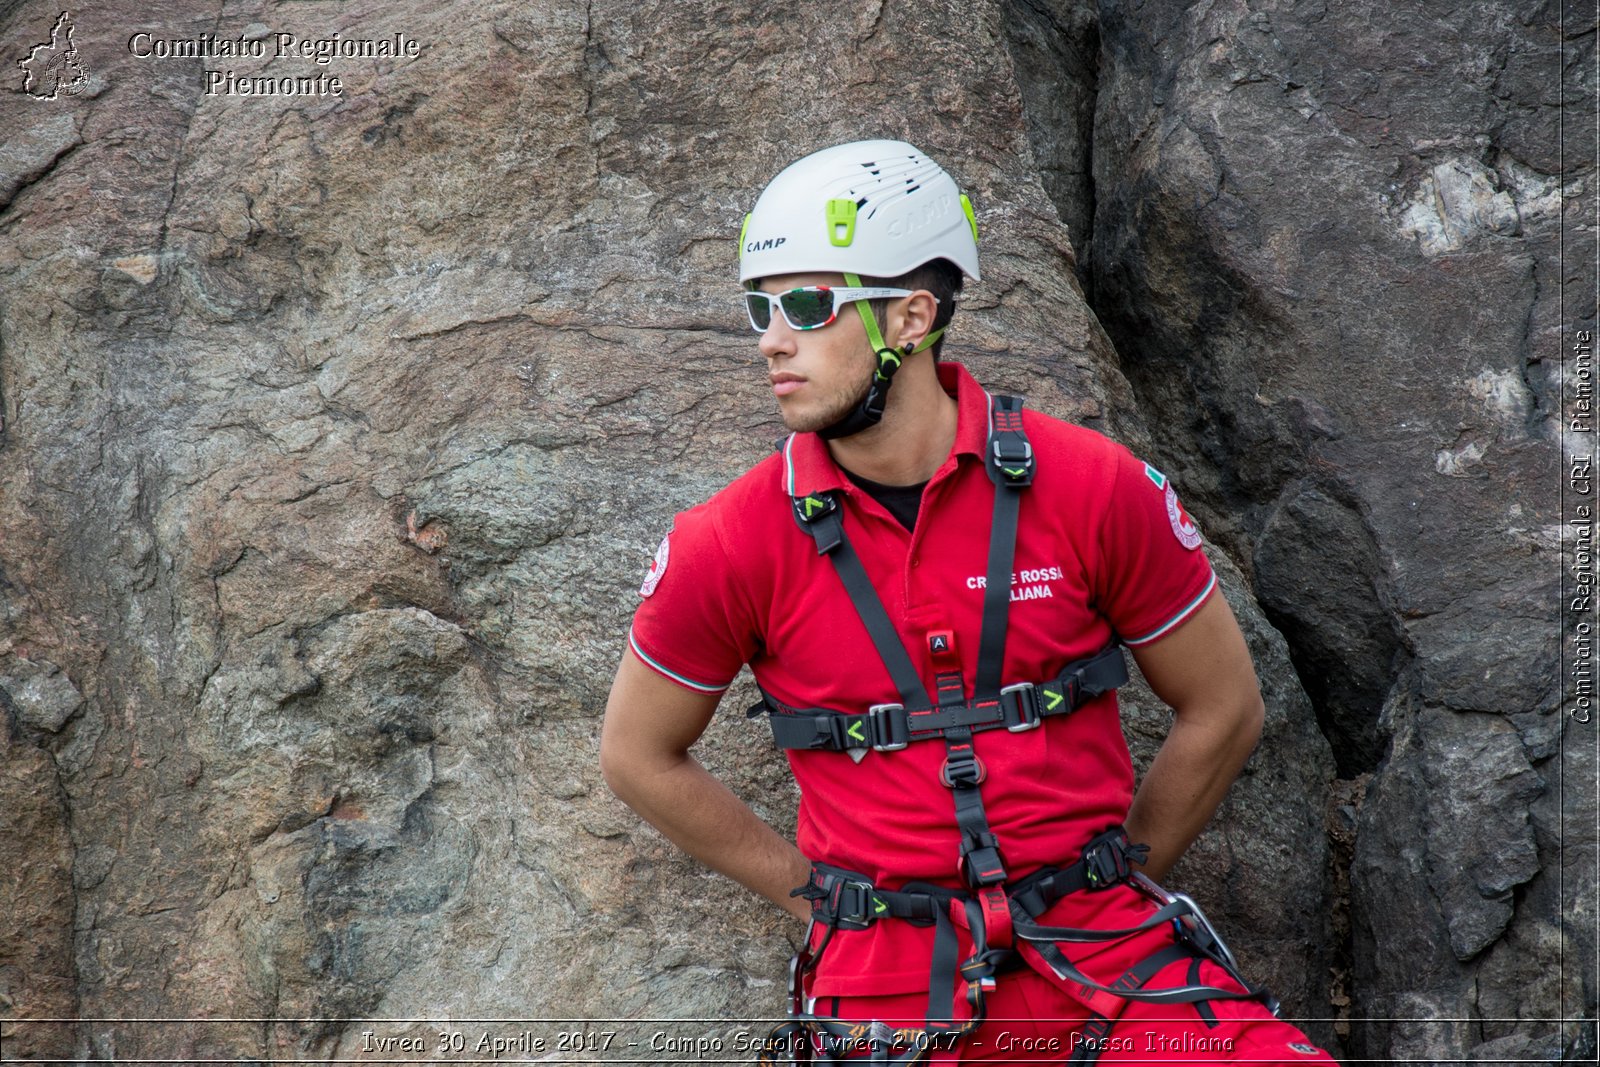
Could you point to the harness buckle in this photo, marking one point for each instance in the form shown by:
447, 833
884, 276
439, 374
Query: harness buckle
887, 726
808, 509
981, 862
1014, 464
851, 904
1026, 704
847, 731
1105, 861
962, 769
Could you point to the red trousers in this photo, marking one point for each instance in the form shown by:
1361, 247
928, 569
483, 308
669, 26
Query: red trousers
1033, 1018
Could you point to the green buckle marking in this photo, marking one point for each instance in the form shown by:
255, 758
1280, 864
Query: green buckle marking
813, 504
886, 357
854, 731
1052, 699
878, 906
1014, 472
841, 215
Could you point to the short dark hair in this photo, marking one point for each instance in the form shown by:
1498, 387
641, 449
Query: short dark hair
940, 277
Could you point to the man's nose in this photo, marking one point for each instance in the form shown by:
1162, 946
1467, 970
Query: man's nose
778, 339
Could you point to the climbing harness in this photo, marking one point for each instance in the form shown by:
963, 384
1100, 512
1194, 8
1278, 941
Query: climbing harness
1000, 914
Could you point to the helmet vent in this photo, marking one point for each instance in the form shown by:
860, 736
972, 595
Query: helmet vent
901, 182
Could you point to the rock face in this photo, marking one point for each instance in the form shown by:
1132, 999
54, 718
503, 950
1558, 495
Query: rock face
1327, 245
337, 431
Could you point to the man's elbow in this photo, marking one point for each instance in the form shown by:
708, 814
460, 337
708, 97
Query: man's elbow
617, 765
620, 766
1234, 720
630, 762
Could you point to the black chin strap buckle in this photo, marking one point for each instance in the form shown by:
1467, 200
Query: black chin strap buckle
889, 360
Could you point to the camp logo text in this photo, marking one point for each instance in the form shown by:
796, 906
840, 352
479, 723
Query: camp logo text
274, 45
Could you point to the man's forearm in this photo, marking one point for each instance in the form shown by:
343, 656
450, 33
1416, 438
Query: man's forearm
700, 815
1189, 778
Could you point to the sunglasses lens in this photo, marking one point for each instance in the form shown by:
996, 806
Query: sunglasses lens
808, 308
760, 310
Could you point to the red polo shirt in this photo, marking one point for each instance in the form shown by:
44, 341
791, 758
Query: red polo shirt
1103, 550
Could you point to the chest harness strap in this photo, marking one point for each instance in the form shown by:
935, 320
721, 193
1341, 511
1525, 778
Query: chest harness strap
999, 914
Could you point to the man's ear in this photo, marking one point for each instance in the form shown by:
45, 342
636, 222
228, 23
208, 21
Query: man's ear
912, 320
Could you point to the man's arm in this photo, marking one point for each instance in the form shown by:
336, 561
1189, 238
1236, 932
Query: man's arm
1203, 670
644, 754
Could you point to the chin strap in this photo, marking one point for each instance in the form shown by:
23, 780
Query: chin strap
870, 410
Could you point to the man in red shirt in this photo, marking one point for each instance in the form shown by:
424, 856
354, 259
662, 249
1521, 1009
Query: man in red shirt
931, 586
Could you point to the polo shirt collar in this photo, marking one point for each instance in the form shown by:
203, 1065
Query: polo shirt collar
808, 466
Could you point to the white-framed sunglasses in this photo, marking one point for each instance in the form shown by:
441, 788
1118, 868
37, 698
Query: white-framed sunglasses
809, 307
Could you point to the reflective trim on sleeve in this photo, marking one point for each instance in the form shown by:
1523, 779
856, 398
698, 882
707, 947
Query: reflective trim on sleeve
1188, 610
687, 683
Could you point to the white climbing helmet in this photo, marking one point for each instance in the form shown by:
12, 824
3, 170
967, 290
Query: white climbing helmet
875, 208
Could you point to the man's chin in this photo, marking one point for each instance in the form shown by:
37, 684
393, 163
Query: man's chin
811, 420
805, 421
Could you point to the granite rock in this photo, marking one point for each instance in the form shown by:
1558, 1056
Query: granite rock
335, 432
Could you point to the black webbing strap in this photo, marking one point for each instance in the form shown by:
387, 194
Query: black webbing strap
1093, 1038
993, 917
889, 727
825, 524
1207, 1014
1010, 466
1009, 460
1045, 941
849, 901
845, 900
963, 773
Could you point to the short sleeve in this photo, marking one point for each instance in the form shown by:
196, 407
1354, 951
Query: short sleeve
693, 625
1155, 574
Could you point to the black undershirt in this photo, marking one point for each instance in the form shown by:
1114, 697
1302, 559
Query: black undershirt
901, 501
